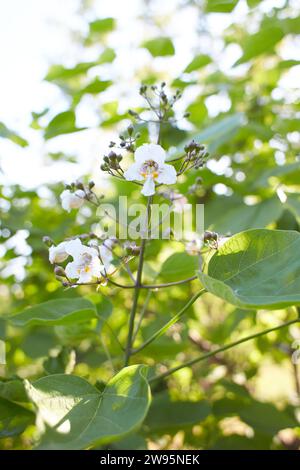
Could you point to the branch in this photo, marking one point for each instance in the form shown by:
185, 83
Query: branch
173, 320
136, 292
221, 349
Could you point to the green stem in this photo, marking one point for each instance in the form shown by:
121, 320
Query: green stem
222, 349
147, 286
173, 320
142, 314
136, 292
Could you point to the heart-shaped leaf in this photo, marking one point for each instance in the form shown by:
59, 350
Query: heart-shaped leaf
79, 416
256, 269
56, 312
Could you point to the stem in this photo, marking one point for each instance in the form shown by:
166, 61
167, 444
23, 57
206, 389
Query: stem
168, 284
173, 320
142, 314
221, 349
151, 286
136, 291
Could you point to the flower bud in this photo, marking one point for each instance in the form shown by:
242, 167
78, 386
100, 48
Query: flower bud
79, 185
59, 271
210, 236
48, 241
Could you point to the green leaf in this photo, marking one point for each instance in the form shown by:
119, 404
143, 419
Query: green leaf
231, 215
253, 3
96, 86
7, 133
61, 363
13, 418
198, 111
179, 266
197, 63
167, 416
256, 269
62, 123
161, 46
13, 390
260, 42
78, 416
56, 312
59, 72
217, 133
102, 25
266, 418
220, 6
293, 204
107, 56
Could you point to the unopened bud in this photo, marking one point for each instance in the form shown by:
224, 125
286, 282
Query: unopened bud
59, 271
209, 236
130, 130
79, 185
48, 241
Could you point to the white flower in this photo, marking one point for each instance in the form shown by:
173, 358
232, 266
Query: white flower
71, 200
58, 254
150, 166
86, 264
104, 253
193, 247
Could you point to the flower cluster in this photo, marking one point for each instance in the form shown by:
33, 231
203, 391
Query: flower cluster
75, 194
195, 157
89, 263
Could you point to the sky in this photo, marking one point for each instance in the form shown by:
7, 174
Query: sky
35, 34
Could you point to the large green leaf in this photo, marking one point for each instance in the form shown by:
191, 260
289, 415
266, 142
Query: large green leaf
256, 268
232, 215
78, 416
63, 123
161, 46
179, 266
56, 312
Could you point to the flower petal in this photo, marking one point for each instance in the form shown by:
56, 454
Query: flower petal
74, 247
150, 152
106, 256
72, 270
133, 173
96, 268
85, 276
149, 187
58, 254
167, 174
